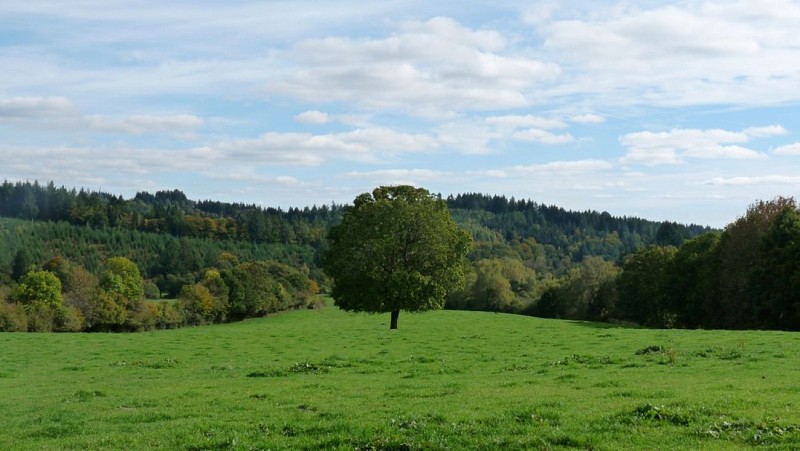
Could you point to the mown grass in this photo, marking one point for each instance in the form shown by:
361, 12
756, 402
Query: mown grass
457, 380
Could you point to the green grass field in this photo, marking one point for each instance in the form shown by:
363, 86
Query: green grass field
458, 380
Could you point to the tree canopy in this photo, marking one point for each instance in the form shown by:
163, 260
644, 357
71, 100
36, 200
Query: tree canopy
396, 249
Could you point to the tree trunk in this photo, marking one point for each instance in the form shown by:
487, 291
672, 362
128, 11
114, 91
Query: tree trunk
395, 314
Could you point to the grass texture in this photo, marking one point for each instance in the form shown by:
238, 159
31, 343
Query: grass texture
326, 379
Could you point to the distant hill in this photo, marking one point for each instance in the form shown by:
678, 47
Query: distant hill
172, 238
499, 225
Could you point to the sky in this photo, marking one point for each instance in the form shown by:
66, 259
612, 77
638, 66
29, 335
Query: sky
684, 111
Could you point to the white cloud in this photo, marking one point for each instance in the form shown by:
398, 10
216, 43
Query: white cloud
687, 53
789, 149
588, 118
496, 173
413, 177
397, 174
765, 132
564, 168
523, 121
307, 149
755, 180
543, 136
87, 98
227, 158
141, 123
713, 151
250, 175
313, 117
61, 113
651, 156
468, 137
494, 133
432, 68
34, 107
674, 146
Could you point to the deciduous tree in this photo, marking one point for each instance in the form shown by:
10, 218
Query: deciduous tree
642, 287
39, 289
122, 276
779, 278
395, 249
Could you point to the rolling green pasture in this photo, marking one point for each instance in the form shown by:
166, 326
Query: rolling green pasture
329, 379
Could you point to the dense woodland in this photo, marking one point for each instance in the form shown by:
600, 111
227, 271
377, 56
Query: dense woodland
527, 258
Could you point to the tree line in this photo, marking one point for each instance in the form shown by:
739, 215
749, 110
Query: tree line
63, 296
526, 257
495, 222
167, 212
746, 276
167, 261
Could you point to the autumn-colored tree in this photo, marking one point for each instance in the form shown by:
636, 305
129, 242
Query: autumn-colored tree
213, 281
197, 304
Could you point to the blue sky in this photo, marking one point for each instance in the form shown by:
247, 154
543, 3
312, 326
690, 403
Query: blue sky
682, 110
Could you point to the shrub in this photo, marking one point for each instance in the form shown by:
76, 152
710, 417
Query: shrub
12, 318
107, 311
168, 317
68, 319
41, 318
140, 319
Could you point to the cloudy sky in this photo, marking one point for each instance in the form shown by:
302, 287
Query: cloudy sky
679, 110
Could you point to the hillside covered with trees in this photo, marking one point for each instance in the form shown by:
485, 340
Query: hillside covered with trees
527, 258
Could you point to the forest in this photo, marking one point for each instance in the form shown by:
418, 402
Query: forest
202, 261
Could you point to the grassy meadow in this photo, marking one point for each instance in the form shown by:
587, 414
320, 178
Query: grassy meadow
334, 380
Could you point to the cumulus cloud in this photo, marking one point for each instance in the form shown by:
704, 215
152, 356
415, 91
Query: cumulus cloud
691, 53
60, 112
489, 84
492, 133
431, 68
368, 144
675, 146
222, 158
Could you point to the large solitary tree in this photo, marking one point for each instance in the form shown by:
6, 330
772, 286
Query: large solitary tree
396, 249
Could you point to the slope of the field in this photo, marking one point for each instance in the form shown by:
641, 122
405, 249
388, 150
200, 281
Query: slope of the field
447, 379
